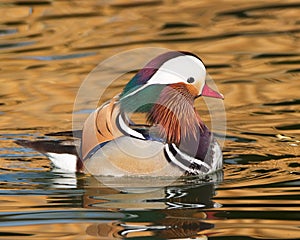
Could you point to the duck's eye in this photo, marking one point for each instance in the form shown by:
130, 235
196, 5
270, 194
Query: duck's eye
191, 80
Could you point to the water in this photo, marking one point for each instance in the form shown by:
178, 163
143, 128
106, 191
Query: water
251, 50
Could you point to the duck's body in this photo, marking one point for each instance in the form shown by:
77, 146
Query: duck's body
171, 140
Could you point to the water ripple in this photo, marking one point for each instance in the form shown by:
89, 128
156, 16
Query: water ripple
251, 52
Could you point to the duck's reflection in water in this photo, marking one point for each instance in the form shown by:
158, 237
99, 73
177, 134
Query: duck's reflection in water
181, 210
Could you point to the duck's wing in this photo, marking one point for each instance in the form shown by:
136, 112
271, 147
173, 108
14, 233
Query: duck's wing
107, 123
100, 127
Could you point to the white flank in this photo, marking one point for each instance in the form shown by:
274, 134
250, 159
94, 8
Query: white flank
64, 161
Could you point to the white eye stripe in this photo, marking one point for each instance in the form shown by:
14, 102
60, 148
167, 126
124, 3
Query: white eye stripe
179, 69
176, 70
198, 62
166, 76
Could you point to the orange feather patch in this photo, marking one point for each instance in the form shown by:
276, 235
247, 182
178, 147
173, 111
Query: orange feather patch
174, 113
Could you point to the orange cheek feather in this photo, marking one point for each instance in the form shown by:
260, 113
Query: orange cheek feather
191, 88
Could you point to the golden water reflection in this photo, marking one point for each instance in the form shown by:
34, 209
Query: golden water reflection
251, 50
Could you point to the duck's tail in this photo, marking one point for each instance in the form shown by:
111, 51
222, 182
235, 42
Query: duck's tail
62, 154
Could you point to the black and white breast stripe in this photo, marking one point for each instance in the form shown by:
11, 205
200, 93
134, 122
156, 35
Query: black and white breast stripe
185, 162
172, 153
125, 129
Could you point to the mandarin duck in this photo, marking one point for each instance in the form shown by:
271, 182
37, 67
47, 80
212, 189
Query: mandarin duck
171, 138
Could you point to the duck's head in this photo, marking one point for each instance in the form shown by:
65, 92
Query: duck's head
165, 89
